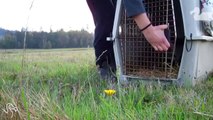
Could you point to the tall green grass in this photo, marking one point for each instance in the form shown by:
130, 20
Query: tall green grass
63, 84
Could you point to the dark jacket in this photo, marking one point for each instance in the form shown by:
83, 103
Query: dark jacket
134, 7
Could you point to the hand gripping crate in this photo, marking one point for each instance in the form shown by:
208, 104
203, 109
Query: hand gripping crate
190, 57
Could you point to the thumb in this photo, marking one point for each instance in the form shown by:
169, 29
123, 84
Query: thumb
162, 27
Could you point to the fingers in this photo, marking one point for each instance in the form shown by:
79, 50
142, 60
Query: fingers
166, 43
162, 45
156, 49
162, 27
157, 38
160, 48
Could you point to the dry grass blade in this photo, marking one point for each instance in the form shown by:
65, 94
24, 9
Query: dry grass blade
204, 114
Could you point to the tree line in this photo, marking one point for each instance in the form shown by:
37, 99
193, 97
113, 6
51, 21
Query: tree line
46, 40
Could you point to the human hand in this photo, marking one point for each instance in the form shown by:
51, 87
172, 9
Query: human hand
156, 37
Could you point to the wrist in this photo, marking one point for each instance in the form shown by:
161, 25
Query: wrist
148, 30
147, 26
142, 20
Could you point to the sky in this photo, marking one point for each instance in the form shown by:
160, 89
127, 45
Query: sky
45, 14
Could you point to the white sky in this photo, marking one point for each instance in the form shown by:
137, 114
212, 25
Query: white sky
46, 14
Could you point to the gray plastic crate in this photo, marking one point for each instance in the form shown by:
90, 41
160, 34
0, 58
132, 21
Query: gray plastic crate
190, 57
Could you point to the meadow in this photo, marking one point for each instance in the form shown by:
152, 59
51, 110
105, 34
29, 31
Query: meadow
63, 84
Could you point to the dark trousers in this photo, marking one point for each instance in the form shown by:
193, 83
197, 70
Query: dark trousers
103, 12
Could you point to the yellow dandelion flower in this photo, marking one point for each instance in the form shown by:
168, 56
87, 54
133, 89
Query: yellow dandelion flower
110, 92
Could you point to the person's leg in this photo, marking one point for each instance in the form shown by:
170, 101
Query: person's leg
103, 12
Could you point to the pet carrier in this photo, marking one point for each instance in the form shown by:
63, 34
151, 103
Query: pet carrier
189, 58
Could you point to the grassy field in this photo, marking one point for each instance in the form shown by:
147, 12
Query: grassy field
63, 84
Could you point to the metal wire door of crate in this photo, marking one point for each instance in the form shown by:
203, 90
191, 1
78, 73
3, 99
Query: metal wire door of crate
135, 58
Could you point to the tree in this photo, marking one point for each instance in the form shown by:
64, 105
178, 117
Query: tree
46, 40
8, 41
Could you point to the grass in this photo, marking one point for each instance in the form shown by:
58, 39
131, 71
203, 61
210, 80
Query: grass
63, 84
